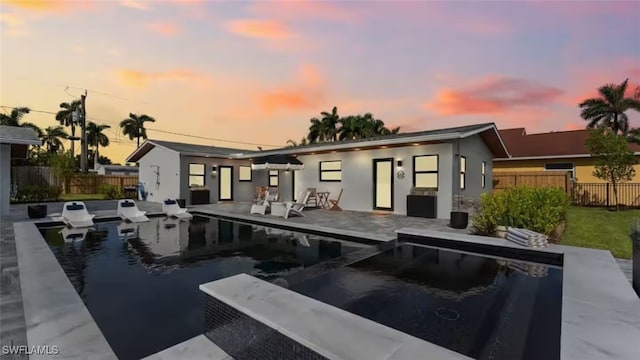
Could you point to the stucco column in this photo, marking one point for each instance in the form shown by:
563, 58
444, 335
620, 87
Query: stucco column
5, 178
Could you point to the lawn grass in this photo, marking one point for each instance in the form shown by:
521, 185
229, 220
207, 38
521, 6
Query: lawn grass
81, 197
600, 228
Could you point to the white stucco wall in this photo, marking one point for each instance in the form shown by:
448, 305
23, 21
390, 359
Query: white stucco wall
5, 178
357, 176
476, 151
168, 162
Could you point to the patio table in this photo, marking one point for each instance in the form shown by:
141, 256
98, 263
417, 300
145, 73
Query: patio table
278, 208
323, 199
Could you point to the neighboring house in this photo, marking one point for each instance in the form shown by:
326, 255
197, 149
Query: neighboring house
117, 170
375, 174
552, 151
14, 143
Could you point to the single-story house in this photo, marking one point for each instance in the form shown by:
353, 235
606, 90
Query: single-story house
14, 143
374, 174
116, 170
551, 151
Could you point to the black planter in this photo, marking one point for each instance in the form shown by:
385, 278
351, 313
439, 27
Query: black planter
182, 202
37, 211
459, 220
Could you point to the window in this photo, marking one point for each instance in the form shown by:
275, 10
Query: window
570, 167
425, 171
244, 173
273, 178
463, 172
483, 170
196, 175
331, 170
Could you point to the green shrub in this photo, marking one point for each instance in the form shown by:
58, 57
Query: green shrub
111, 191
36, 193
536, 209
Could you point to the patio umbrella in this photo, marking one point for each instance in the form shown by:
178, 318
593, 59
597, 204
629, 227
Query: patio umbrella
277, 162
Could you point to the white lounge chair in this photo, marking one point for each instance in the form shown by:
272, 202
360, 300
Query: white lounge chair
262, 208
75, 214
128, 210
297, 207
171, 208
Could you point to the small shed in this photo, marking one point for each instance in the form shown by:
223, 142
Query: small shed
14, 143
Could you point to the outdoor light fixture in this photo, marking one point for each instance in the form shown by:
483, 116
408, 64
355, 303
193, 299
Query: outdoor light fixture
214, 169
399, 162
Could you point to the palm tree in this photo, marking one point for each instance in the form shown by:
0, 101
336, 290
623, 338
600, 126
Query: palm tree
134, 126
96, 137
293, 143
52, 138
608, 110
65, 118
329, 123
352, 127
14, 119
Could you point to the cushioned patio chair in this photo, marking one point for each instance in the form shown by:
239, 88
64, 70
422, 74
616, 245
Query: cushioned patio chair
334, 203
75, 214
296, 208
128, 210
171, 208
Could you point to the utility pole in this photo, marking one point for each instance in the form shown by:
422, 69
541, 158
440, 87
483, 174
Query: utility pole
83, 135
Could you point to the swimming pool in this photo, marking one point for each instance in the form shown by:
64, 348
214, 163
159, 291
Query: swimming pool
483, 307
140, 281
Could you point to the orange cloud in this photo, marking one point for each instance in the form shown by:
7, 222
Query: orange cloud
265, 29
302, 10
140, 79
164, 28
135, 4
491, 96
306, 93
50, 5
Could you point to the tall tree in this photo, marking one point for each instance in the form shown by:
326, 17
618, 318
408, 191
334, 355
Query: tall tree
134, 126
65, 118
609, 109
96, 136
614, 159
329, 122
14, 118
293, 143
52, 138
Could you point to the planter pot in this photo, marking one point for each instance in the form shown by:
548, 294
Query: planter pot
37, 211
501, 231
459, 220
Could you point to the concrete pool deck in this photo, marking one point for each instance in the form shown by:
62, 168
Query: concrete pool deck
613, 316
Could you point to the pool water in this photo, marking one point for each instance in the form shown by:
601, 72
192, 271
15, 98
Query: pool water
140, 281
482, 307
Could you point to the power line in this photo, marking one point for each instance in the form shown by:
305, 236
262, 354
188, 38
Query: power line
162, 131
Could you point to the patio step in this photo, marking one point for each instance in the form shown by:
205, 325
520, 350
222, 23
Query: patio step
265, 321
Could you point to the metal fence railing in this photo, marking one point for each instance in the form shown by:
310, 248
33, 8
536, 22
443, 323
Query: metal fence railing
602, 194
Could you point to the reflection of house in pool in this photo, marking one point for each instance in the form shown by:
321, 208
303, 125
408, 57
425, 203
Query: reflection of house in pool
164, 242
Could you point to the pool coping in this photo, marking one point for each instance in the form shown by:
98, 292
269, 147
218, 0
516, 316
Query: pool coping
597, 322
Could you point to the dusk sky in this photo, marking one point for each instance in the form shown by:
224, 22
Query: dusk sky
257, 72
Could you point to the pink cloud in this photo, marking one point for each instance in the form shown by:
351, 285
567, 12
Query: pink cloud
303, 10
264, 29
164, 28
492, 96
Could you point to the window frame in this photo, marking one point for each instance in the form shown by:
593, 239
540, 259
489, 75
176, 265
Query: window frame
240, 179
321, 172
463, 172
427, 172
483, 171
572, 170
272, 176
203, 175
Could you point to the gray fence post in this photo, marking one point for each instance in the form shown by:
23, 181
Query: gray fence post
635, 266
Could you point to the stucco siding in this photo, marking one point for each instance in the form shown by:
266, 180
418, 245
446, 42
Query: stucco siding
357, 176
475, 151
167, 183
